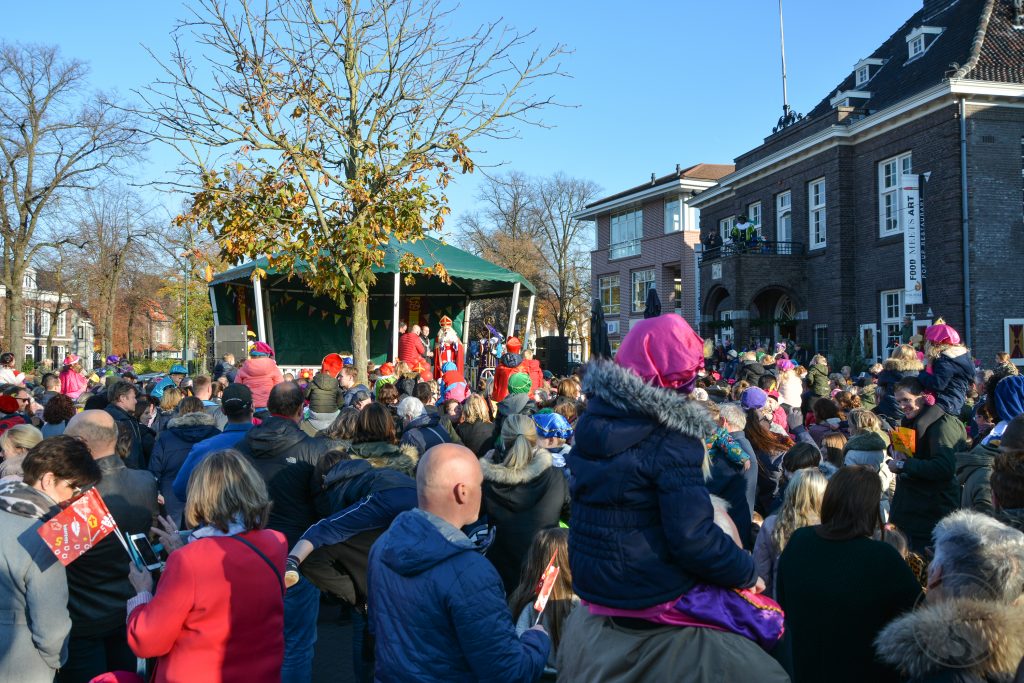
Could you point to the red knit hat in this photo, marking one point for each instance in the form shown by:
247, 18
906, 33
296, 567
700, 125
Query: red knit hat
332, 364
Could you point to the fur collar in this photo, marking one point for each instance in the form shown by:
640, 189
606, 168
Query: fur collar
401, 457
627, 392
191, 420
900, 365
985, 638
499, 474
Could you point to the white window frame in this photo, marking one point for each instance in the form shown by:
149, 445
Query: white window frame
45, 317
892, 311
725, 227
890, 179
30, 351
29, 281
604, 283
817, 223
783, 210
674, 214
817, 347
30, 321
692, 219
62, 324
916, 46
754, 215
917, 42
863, 75
639, 302
630, 228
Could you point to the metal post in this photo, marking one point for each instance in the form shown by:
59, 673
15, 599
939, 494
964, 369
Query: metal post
184, 346
465, 323
512, 312
782, 43
394, 318
529, 321
257, 291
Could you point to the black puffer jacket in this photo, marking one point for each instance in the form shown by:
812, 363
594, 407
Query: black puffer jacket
172, 447
519, 503
476, 436
285, 457
324, 394
750, 373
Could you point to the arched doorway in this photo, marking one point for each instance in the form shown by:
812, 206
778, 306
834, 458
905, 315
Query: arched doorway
773, 317
718, 316
785, 318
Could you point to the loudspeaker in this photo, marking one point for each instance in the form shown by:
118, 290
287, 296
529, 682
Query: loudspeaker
553, 354
231, 339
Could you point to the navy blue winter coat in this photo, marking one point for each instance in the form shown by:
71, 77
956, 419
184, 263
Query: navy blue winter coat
171, 450
438, 610
951, 378
643, 529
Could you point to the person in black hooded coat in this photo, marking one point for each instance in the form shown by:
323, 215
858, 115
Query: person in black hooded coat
522, 494
188, 427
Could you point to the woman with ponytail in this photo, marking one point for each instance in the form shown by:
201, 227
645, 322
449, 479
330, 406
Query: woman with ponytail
522, 494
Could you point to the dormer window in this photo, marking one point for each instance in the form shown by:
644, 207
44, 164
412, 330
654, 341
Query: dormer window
29, 281
850, 98
920, 39
865, 70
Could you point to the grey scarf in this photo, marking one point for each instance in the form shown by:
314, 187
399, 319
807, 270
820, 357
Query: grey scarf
18, 498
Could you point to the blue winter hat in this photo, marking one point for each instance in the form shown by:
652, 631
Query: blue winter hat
552, 425
753, 399
448, 366
1008, 398
178, 370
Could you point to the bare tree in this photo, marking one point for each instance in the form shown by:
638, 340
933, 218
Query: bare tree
321, 130
565, 246
55, 138
114, 225
63, 279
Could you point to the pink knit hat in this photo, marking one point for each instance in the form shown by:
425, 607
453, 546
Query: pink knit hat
942, 334
664, 351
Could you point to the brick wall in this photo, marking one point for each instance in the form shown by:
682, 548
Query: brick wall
844, 281
661, 252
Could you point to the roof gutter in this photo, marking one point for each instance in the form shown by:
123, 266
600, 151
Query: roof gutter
965, 223
683, 184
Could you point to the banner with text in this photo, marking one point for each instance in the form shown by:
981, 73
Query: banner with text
910, 208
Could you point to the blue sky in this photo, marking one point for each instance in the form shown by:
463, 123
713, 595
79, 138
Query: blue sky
653, 83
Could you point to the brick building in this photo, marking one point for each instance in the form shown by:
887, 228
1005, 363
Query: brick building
646, 238
44, 308
939, 104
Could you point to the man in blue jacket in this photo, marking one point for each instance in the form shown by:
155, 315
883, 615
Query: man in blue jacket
436, 605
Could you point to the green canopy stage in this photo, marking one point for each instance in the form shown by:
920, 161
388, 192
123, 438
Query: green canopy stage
303, 327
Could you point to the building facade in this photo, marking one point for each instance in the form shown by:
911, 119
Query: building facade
646, 238
45, 309
900, 194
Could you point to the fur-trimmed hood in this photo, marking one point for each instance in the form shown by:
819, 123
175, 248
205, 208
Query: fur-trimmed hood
400, 457
499, 474
627, 392
191, 420
900, 365
981, 637
404, 462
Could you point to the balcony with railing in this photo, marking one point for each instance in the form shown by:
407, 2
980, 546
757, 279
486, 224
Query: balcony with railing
761, 248
624, 249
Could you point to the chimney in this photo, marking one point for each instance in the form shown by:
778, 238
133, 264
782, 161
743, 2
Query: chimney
652, 178
679, 170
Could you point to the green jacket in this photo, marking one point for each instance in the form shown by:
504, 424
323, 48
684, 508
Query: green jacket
927, 489
817, 378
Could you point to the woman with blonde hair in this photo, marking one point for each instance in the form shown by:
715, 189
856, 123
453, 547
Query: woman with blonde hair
801, 506
522, 494
476, 429
15, 443
220, 606
168, 405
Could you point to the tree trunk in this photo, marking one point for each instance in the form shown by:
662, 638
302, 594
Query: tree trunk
360, 325
108, 324
16, 320
52, 331
131, 336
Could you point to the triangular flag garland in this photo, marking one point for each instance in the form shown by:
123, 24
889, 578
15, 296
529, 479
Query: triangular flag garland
324, 314
374, 323
337, 317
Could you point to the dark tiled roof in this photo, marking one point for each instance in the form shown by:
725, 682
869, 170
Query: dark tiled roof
695, 172
898, 79
1001, 54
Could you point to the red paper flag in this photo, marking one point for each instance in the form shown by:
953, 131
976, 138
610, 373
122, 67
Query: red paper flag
545, 586
79, 527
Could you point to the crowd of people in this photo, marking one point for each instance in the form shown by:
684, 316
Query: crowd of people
712, 515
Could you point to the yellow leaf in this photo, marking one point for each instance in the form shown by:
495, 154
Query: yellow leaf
209, 273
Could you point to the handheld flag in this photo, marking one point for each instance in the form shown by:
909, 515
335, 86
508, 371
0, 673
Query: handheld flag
545, 586
78, 528
904, 440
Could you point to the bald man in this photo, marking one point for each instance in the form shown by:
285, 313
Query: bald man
98, 586
436, 604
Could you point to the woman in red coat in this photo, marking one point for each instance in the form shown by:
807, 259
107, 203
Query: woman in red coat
219, 612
